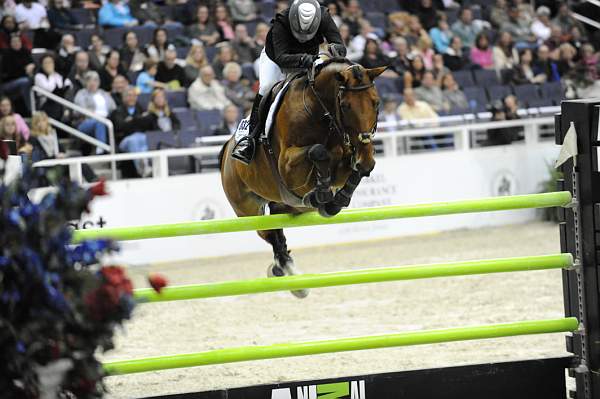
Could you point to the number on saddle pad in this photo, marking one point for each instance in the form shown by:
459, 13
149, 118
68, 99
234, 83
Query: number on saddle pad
243, 129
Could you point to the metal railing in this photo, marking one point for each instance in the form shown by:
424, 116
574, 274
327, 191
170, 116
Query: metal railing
464, 137
110, 147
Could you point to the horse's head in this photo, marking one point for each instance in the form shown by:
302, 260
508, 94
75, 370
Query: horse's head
357, 105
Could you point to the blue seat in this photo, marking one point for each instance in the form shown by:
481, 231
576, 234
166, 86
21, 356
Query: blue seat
186, 119
144, 34
208, 120
486, 77
529, 95
210, 53
177, 99
182, 52
173, 31
477, 98
114, 37
144, 100
248, 72
498, 92
159, 140
377, 19
386, 86
83, 16
464, 78
552, 90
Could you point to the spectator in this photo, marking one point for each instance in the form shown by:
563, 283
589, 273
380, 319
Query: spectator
431, 93
130, 123
118, 86
231, 120
7, 7
334, 11
15, 74
147, 12
195, 60
159, 45
503, 135
357, 44
413, 110
389, 114
567, 66
482, 54
237, 92
524, 72
464, 28
98, 101
454, 98
589, 63
146, 82
32, 16
204, 29
352, 53
518, 27
541, 26
504, 53
499, 13
48, 79
132, 58
8, 27
564, 18
544, 65
116, 14
60, 17
511, 107
526, 10
260, 36
373, 56
170, 73
98, 52
8, 131
43, 140
223, 21
80, 67
225, 54
400, 57
6, 109
242, 10
577, 38
66, 54
160, 113
439, 69
244, 45
112, 68
455, 58
206, 92
427, 13
353, 16
415, 31
425, 51
556, 38
441, 34
414, 75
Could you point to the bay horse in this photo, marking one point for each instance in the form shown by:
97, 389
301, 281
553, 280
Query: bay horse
320, 148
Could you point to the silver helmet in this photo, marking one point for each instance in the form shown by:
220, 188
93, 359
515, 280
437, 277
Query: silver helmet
305, 19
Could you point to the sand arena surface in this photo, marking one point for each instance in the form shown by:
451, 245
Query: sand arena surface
193, 326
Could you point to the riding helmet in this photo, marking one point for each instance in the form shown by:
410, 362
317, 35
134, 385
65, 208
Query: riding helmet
305, 19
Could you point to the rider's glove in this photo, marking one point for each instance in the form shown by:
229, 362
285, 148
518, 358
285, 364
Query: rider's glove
307, 60
337, 50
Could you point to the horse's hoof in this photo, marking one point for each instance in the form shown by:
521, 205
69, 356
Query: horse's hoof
329, 210
275, 270
289, 269
324, 196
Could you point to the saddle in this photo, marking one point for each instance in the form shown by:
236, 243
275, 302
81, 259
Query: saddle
270, 104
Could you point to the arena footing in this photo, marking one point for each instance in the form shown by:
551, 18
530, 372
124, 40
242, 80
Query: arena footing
528, 379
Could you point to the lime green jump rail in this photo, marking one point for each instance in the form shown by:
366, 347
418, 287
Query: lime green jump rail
363, 276
248, 353
270, 222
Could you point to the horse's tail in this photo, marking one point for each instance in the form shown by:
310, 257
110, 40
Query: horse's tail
221, 154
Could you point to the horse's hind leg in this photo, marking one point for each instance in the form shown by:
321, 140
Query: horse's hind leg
283, 264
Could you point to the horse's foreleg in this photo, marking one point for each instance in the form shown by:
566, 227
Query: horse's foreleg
343, 197
283, 264
322, 194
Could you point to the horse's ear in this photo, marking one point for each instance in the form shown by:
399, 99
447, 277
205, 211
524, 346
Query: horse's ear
375, 72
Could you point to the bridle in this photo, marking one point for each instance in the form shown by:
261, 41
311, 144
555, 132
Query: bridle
336, 122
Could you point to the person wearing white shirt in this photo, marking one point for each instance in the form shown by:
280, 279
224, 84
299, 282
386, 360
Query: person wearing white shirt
31, 15
541, 26
50, 80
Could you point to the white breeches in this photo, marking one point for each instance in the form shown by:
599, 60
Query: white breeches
269, 73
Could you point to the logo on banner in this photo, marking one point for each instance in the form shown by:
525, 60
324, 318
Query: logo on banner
338, 390
88, 224
503, 184
207, 209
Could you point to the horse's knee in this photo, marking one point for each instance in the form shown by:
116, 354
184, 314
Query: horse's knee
318, 153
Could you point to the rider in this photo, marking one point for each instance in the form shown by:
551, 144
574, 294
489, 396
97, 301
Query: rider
292, 44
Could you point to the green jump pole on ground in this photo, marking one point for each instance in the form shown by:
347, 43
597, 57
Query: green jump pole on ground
248, 353
363, 276
270, 222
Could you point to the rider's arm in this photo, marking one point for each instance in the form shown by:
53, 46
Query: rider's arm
332, 34
282, 42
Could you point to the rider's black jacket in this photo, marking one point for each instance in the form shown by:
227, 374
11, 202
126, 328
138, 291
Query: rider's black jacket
287, 52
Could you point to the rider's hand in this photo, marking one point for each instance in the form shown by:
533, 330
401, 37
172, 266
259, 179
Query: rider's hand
308, 60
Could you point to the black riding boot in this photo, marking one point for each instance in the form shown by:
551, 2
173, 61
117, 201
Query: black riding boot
245, 148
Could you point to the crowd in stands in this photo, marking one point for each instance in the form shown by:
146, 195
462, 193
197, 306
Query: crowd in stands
190, 65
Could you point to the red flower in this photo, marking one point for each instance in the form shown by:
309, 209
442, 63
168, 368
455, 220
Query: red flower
157, 282
99, 189
106, 299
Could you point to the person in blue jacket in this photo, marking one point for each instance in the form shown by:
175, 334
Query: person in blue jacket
116, 14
